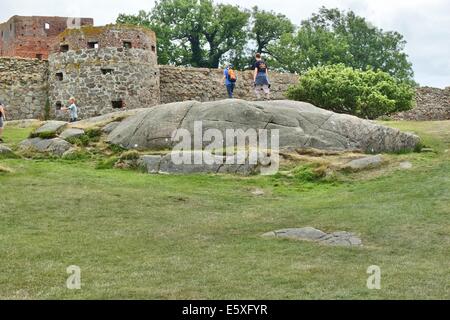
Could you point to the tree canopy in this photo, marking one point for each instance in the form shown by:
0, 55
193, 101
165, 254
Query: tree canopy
194, 32
201, 33
332, 36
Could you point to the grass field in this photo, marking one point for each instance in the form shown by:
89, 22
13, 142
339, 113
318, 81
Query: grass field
198, 237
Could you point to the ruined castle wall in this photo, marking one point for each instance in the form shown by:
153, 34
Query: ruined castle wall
23, 87
103, 80
115, 36
33, 37
431, 104
180, 84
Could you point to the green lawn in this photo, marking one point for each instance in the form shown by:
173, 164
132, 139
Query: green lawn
198, 237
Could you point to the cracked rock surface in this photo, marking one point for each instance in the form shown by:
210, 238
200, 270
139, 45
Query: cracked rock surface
300, 125
54, 146
339, 238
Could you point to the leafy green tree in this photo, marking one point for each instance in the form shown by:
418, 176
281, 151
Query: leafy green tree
194, 32
332, 36
366, 94
265, 28
268, 27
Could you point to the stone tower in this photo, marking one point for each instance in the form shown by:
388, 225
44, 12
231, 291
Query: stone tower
105, 69
32, 37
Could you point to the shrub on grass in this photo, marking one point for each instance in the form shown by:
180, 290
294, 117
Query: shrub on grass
366, 94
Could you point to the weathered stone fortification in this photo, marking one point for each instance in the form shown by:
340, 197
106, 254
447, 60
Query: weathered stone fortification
32, 37
181, 84
432, 104
23, 87
105, 68
111, 67
110, 36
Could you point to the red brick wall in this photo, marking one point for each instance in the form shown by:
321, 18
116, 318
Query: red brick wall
27, 37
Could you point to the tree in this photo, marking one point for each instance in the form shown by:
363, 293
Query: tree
268, 27
194, 32
366, 94
332, 36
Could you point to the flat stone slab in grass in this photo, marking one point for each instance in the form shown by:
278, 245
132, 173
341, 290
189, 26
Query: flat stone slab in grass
364, 163
52, 126
339, 238
54, 146
71, 133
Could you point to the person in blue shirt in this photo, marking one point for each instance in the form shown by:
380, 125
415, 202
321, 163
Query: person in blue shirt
229, 80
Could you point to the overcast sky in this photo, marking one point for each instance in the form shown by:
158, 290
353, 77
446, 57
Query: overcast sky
424, 23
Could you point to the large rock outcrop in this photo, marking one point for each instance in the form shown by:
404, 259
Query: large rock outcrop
301, 125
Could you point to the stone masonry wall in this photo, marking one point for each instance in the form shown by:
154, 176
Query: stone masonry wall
100, 79
110, 36
32, 37
180, 84
23, 87
431, 104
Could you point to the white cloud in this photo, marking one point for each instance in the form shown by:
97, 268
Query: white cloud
424, 23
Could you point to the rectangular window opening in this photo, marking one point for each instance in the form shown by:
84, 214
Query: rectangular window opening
39, 56
64, 48
153, 49
93, 45
58, 105
47, 26
107, 71
59, 76
117, 104
127, 44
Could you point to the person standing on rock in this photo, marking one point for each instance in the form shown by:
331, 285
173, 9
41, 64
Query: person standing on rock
261, 77
229, 80
2, 120
73, 110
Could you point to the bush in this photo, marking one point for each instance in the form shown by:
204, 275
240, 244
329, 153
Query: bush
366, 94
